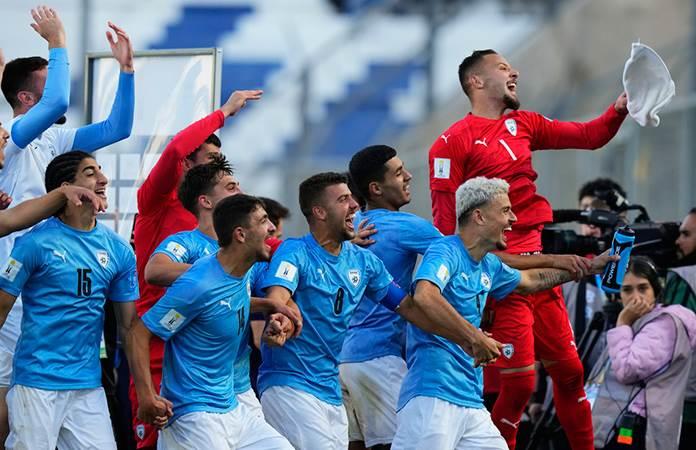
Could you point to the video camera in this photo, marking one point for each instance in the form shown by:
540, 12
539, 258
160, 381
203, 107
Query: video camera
653, 239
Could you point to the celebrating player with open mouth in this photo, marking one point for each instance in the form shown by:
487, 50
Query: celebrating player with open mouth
488, 142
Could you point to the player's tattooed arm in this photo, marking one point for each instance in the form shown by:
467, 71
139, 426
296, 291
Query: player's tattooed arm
535, 280
577, 265
6, 303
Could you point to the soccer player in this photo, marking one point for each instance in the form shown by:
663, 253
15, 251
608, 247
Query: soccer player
488, 142
161, 214
327, 277
38, 92
441, 403
65, 268
203, 317
372, 366
203, 188
277, 213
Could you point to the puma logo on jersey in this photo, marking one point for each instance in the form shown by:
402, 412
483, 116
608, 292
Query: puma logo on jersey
514, 425
226, 303
444, 138
481, 142
60, 255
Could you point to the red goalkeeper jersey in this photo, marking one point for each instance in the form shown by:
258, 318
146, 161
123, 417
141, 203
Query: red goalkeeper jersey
160, 213
502, 148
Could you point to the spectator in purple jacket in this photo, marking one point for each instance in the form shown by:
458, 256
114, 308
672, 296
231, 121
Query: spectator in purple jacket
651, 349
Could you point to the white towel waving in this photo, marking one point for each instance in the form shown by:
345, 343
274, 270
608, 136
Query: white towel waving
647, 83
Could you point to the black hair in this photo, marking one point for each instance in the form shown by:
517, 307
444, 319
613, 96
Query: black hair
600, 187
17, 77
643, 267
212, 139
313, 187
63, 169
201, 179
276, 211
692, 210
468, 65
369, 165
357, 196
232, 212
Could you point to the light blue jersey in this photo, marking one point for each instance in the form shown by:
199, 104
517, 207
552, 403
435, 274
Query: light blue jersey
438, 367
188, 247
202, 318
327, 289
375, 331
65, 275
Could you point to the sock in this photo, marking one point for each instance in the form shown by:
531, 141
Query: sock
515, 391
571, 403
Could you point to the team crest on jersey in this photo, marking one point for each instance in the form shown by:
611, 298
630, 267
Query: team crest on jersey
102, 258
485, 281
354, 277
508, 350
511, 126
140, 431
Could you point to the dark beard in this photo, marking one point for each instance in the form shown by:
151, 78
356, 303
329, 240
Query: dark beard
511, 103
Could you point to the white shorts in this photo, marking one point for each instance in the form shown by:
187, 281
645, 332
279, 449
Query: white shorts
73, 419
370, 395
307, 422
431, 423
5, 367
248, 398
239, 429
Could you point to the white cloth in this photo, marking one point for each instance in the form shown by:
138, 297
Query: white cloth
44, 420
431, 423
648, 85
370, 395
307, 422
5, 367
248, 398
239, 429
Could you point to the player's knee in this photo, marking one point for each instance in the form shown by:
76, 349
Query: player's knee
567, 373
517, 387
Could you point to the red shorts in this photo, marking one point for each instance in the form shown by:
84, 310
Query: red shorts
536, 325
145, 434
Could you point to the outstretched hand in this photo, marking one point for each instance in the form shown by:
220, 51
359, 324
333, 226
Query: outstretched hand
121, 47
49, 26
237, 101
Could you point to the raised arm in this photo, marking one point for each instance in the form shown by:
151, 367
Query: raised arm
161, 182
119, 124
53, 103
429, 310
554, 134
30, 212
161, 270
